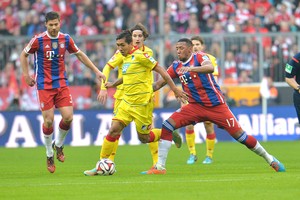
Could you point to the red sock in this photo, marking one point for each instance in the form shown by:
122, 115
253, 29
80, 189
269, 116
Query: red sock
47, 131
63, 125
211, 136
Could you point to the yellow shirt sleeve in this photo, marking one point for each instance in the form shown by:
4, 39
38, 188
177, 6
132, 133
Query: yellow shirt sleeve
106, 72
215, 64
115, 61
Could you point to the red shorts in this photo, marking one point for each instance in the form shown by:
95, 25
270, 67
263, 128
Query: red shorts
60, 97
193, 113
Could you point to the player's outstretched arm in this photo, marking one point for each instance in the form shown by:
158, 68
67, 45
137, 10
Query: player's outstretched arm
119, 81
102, 96
205, 68
179, 94
25, 69
292, 82
159, 84
87, 62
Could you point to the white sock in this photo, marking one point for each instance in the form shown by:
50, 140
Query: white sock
61, 137
163, 150
259, 150
48, 145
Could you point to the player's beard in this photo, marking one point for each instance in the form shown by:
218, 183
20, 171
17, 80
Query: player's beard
53, 33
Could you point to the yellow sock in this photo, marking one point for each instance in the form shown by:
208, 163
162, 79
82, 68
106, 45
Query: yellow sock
153, 146
210, 145
190, 140
113, 154
157, 134
107, 148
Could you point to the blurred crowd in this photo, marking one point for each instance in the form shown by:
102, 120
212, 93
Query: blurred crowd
193, 17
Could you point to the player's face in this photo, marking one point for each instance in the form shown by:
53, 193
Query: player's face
197, 46
53, 27
138, 38
123, 47
184, 52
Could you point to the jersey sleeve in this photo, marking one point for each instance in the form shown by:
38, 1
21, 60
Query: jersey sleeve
171, 72
72, 47
291, 67
215, 64
148, 51
32, 46
106, 72
147, 60
116, 60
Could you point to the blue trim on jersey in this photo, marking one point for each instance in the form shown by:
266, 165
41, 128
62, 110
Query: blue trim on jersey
55, 64
204, 80
67, 42
40, 65
206, 84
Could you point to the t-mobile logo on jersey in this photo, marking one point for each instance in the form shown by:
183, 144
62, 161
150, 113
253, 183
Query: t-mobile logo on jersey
49, 54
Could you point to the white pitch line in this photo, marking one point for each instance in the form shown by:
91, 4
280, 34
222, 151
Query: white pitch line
123, 182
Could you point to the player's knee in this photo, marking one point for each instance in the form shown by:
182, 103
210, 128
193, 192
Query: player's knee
190, 127
48, 122
143, 138
68, 120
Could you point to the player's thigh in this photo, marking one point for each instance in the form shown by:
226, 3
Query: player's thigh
117, 104
188, 114
66, 113
63, 98
224, 118
143, 118
46, 98
123, 113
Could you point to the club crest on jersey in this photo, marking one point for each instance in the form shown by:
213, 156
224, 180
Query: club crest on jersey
125, 67
152, 60
132, 57
54, 45
205, 57
146, 127
62, 45
288, 68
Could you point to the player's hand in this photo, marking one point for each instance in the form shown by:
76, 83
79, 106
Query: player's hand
102, 96
109, 85
183, 70
29, 80
181, 96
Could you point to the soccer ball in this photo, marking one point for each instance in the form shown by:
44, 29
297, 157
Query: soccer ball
105, 167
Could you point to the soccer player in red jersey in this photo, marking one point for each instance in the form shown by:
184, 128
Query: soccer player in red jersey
205, 103
50, 78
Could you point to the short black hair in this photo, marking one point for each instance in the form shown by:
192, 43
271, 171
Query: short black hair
51, 16
125, 34
187, 41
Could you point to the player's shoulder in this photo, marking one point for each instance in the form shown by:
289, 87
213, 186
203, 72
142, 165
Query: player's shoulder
148, 50
202, 55
211, 56
296, 57
118, 54
40, 35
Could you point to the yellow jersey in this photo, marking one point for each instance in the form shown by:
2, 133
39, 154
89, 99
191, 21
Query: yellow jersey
116, 61
137, 77
215, 64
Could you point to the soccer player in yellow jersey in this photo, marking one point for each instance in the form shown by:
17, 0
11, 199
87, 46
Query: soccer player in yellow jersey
198, 45
139, 35
136, 104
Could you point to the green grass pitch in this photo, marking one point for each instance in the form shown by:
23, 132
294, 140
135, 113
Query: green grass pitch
236, 173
